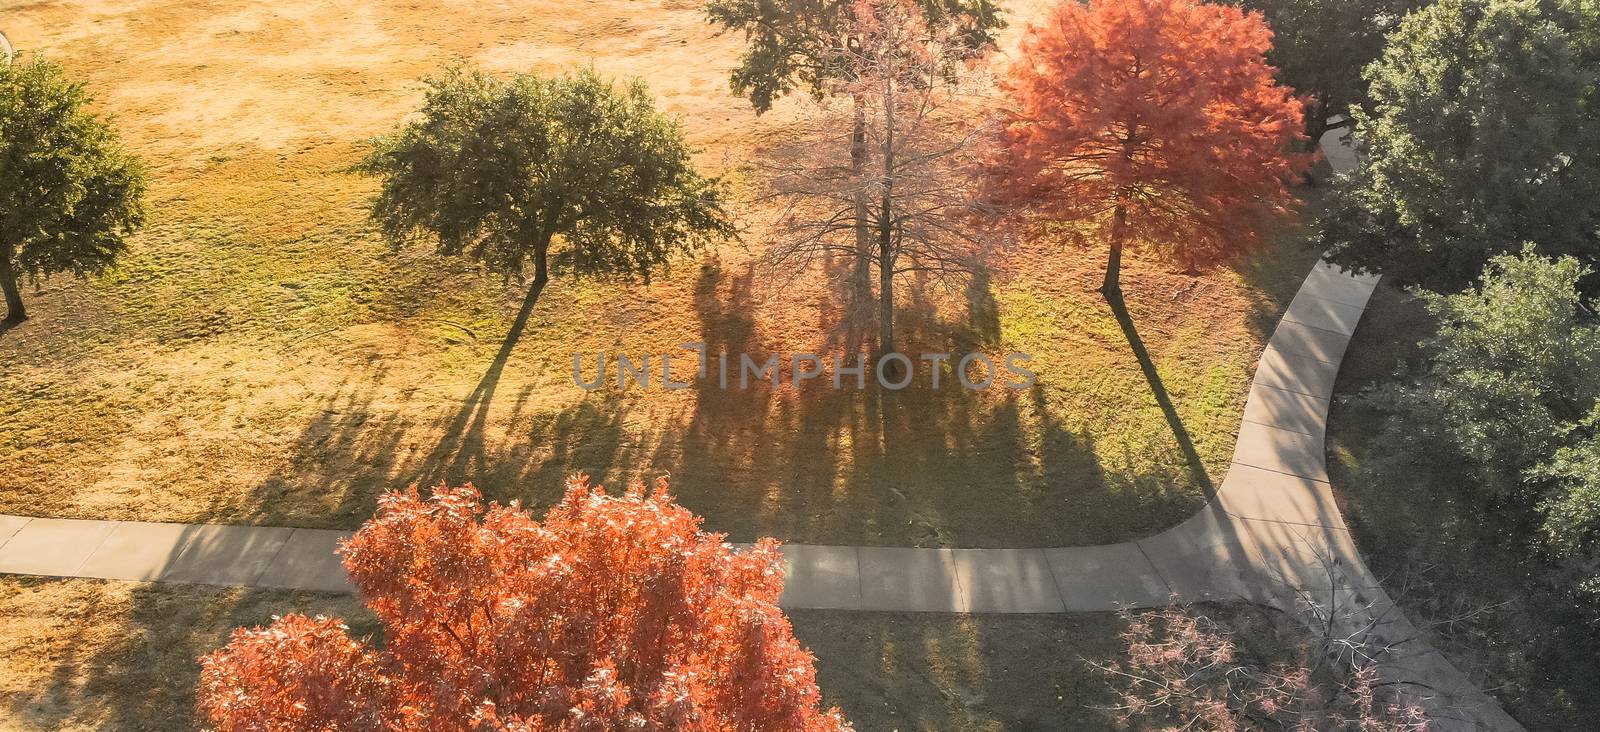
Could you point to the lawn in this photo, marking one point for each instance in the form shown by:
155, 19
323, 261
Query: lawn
263, 357
1444, 558
88, 654
85, 654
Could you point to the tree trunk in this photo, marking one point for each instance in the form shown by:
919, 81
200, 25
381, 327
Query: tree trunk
886, 244
541, 277
1111, 287
541, 272
1316, 124
861, 274
15, 313
885, 298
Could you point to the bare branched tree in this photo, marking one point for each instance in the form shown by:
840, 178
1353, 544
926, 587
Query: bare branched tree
917, 90
1187, 669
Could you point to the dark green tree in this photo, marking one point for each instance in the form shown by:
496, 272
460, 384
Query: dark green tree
1504, 409
561, 174
1320, 47
1515, 364
69, 195
1480, 135
807, 45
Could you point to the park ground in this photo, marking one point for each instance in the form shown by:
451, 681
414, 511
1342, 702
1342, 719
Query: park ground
95, 655
84, 654
263, 357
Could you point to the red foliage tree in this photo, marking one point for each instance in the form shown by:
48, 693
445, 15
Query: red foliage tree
614, 613
1156, 122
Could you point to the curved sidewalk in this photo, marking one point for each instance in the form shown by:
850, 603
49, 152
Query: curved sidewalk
1272, 535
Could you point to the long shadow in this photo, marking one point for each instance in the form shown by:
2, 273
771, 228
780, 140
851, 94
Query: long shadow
1197, 468
1274, 274
983, 312
7, 325
462, 443
131, 661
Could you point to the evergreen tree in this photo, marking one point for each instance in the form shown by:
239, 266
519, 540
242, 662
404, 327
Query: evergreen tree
567, 173
69, 195
1480, 136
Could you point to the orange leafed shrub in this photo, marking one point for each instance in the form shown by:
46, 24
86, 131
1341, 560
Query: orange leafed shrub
613, 613
1154, 122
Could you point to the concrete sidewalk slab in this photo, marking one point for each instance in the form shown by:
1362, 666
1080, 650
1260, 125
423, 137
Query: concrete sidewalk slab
52, 547
1298, 556
9, 526
1107, 577
1204, 559
1330, 283
1296, 373
1270, 448
1006, 581
900, 579
309, 560
1303, 340
1287, 410
1269, 495
136, 550
1317, 312
821, 577
226, 555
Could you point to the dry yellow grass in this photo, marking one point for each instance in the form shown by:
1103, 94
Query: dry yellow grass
91, 655
263, 357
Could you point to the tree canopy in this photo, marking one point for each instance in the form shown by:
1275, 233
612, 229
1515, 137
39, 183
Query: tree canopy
1185, 669
1321, 46
1154, 122
613, 613
501, 169
800, 43
910, 94
1480, 136
69, 195
1509, 389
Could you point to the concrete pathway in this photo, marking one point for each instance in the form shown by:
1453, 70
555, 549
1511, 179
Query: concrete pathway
1272, 535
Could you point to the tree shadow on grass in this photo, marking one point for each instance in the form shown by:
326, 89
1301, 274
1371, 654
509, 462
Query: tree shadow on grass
461, 448
1197, 467
126, 657
921, 671
347, 455
945, 466
810, 464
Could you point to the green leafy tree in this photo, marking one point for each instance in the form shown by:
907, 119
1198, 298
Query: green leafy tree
1507, 404
1320, 47
809, 45
69, 195
1514, 365
1480, 135
1570, 507
565, 173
